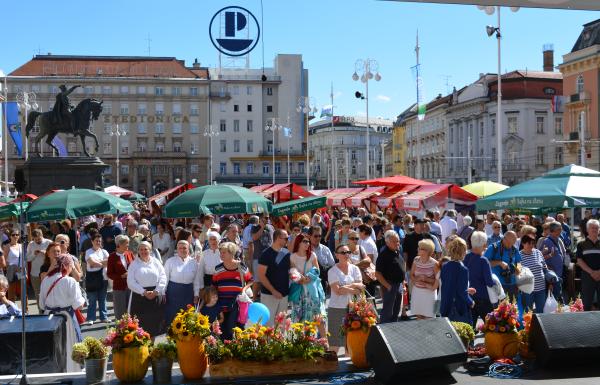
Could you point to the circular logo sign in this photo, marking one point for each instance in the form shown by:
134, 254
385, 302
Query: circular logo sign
234, 31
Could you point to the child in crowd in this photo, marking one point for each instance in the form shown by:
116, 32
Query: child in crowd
208, 305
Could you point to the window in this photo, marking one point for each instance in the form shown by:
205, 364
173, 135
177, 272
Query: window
223, 168
124, 143
176, 91
249, 90
193, 91
236, 90
106, 90
539, 124
277, 168
107, 128
249, 168
269, 108
124, 90
176, 146
194, 168
223, 125
177, 109
300, 167
106, 108
141, 128
353, 169
512, 125
125, 169
269, 90
88, 90
222, 107
236, 145
159, 91
236, 169
481, 130
160, 109
494, 153
141, 109
493, 126
107, 148
353, 155
265, 168
223, 145
249, 108
451, 134
558, 126
142, 145
159, 128
177, 128
159, 146
194, 129
236, 108
194, 146
249, 125
539, 158
579, 84
270, 146
236, 125
250, 145
141, 90
222, 91
124, 109
194, 110
558, 156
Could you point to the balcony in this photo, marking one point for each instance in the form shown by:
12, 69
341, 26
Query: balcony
160, 154
220, 95
282, 153
579, 97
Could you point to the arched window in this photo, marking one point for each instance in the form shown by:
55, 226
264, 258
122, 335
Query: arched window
579, 85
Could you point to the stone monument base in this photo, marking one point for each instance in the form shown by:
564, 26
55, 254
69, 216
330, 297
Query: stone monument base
45, 174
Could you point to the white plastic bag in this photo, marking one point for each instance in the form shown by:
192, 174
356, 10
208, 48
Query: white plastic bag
525, 280
496, 292
551, 305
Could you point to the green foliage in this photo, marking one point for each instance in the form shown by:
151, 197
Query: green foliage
164, 350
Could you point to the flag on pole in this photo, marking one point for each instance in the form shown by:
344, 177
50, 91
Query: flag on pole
327, 111
11, 109
287, 132
421, 105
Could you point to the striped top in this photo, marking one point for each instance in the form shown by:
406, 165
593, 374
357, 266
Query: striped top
426, 269
535, 262
229, 284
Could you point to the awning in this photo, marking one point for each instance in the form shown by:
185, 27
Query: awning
164, 197
357, 200
336, 197
25, 198
298, 206
319, 193
260, 187
388, 198
435, 195
394, 181
284, 192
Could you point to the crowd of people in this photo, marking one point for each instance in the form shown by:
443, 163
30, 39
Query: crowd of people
454, 265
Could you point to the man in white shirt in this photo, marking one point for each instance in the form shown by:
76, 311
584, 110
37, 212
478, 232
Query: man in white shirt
366, 242
449, 225
36, 251
490, 218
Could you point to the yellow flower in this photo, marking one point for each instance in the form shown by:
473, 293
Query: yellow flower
177, 325
203, 321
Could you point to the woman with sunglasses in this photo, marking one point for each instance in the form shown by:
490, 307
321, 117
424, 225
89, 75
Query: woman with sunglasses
345, 280
96, 280
305, 272
63, 241
357, 252
13, 252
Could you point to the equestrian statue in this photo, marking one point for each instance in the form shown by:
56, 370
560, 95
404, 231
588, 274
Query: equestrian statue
66, 119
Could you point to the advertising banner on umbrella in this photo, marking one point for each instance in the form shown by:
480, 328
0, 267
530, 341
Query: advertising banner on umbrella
298, 206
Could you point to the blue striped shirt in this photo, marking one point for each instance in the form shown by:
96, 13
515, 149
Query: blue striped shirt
535, 262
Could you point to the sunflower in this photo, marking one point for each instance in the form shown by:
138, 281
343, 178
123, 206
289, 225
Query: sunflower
177, 325
203, 321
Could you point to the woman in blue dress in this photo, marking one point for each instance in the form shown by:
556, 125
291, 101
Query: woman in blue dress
456, 303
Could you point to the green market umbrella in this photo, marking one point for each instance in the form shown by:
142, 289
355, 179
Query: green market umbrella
75, 203
12, 210
298, 206
216, 199
566, 187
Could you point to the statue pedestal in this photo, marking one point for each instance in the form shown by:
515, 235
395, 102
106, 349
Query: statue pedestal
45, 174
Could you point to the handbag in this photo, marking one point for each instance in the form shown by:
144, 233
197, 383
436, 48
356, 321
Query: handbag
94, 280
367, 272
243, 300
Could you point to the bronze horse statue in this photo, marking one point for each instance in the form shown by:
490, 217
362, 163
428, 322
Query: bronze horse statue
86, 111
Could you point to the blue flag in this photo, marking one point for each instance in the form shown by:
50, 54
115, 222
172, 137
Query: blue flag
11, 109
287, 132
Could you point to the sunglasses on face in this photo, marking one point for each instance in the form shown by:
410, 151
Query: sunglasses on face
14, 235
347, 252
353, 239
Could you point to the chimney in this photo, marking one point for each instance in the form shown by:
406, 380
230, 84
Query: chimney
196, 63
548, 57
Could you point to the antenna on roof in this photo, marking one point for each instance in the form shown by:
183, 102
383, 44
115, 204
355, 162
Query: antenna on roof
148, 40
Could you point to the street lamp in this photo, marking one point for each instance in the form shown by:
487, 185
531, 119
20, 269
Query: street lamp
363, 70
26, 102
210, 132
491, 30
117, 132
306, 105
272, 126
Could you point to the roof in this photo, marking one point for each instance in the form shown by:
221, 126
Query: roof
109, 66
527, 74
589, 36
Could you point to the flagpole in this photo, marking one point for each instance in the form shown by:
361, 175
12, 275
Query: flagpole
332, 139
5, 134
418, 171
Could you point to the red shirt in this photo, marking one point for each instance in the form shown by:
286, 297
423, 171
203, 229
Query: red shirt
115, 269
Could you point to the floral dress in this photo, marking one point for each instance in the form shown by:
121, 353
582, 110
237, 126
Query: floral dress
312, 299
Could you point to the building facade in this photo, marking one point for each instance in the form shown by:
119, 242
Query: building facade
581, 84
348, 157
399, 144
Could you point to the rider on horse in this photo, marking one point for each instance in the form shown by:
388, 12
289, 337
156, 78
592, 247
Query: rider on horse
62, 108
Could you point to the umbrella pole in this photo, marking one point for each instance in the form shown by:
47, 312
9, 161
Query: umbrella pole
23, 296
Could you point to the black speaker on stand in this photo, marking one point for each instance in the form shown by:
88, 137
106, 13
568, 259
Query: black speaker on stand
404, 347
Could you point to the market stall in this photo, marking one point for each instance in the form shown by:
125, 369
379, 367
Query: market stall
434, 195
390, 195
359, 199
284, 192
337, 196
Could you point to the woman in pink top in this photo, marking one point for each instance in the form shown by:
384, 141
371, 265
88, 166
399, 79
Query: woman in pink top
424, 276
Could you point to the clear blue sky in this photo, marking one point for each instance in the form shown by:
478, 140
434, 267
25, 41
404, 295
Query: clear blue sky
330, 34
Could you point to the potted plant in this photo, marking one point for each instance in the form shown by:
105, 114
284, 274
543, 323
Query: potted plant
465, 332
162, 356
500, 327
357, 324
129, 343
188, 330
93, 354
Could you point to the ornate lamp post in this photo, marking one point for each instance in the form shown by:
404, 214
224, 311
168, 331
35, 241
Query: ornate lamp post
210, 132
272, 126
117, 132
306, 105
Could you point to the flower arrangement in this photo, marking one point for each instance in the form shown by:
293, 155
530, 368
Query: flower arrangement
361, 315
465, 332
164, 350
576, 306
89, 349
189, 324
285, 341
504, 319
127, 333
524, 333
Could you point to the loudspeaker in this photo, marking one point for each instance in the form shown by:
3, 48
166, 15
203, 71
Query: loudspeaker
409, 346
566, 338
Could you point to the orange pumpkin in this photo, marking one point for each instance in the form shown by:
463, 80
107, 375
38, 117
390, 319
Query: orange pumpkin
356, 342
131, 364
502, 345
192, 358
